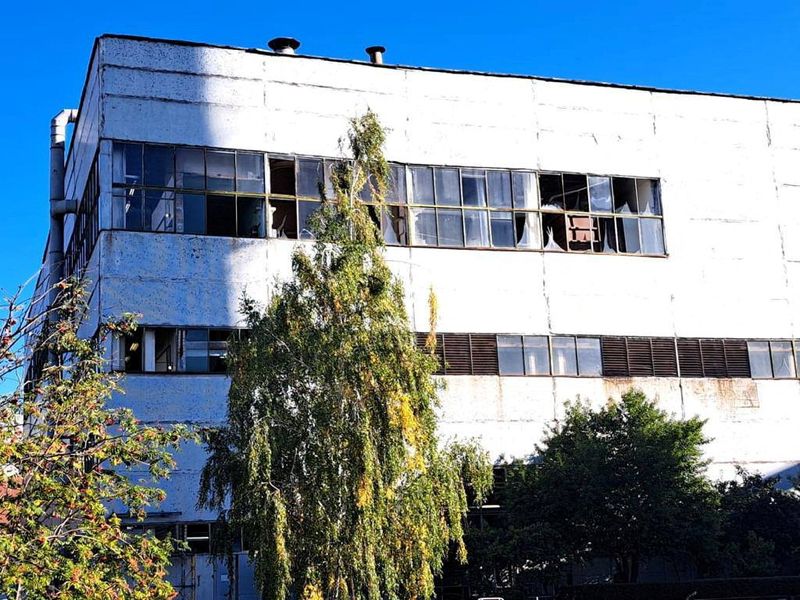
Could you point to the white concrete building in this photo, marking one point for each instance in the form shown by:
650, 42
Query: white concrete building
582, 238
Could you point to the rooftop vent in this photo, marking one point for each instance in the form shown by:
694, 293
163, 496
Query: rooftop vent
283, 45
376, 54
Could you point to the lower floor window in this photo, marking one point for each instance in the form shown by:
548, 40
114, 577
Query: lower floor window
174, 350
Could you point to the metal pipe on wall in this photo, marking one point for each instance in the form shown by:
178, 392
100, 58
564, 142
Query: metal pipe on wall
58, 205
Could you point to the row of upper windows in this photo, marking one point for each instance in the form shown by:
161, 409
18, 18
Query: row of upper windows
204, 350
186, 190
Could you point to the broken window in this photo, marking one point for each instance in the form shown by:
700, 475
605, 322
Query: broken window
284, 219
132, 352
526, 230
127, 209
220, 171
555, 231
221, 215
395, 226
190, 168
600, 194
628, 236
250, 172
159, 166
448, 190
218, 350
305, 210
164, 350
551, 191
576, 194
625, 196
281, 176
195, 350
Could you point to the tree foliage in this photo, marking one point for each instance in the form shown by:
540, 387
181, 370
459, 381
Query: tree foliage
329, 458
625, 482
62, 451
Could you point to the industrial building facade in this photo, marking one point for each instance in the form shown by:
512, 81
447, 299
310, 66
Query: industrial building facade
581, 239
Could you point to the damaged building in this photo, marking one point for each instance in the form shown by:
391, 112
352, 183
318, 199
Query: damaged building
582, 238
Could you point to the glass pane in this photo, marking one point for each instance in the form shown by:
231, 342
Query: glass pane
396, 193
281, 176
782, 359
190, 213
196, 350
652, 236
526, 230
283, 223
648, 196
581, 232
165, 351
576, 193
128, 209
499, 188
304, 212
473, 185
190, 168
159, 166
218, 350
309, 177
760, 365
159, 211
476, 226
394, 226
551, 189
554, 231
564, 361
502, 230
366, 192
422, 185
448, 192
250, 172
509, 355
606, 243
600, 194
537, 355
524, 185
450, 230
127, 164
221, 172
250, 217
590, 363
624, 195
424, 226
628, 235
221, 215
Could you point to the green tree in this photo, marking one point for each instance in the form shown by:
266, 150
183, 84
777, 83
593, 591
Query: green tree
624, 482
61, 451
329, 459
760, 533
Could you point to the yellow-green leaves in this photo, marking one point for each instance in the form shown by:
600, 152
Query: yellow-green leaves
330, 456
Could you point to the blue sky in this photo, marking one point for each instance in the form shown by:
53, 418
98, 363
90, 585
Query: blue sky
735, 46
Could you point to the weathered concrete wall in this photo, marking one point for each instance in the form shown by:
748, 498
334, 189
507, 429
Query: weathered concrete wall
730, 187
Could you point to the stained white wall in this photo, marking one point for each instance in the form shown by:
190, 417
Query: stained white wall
730, 189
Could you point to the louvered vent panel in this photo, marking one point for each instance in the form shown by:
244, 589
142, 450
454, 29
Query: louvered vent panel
640, 359
484, 354
665, 362
689, 359
713, 358
615, 357
736, 358
457, 359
